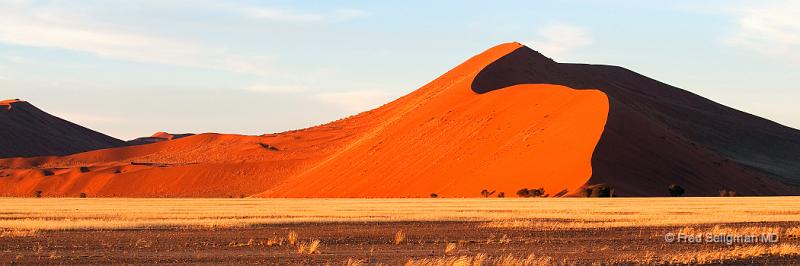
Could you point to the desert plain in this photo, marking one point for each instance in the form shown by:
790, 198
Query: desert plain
435, 231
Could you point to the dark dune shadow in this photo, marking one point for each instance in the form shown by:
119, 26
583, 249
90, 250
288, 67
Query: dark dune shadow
657, 134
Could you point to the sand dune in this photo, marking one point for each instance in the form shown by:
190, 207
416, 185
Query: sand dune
506, 119
28, 131
157, 137
657, 135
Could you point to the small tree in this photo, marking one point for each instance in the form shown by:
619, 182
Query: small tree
727, 193
536, 192
676, 190
485, 193
587, 192
37, 193
599, 191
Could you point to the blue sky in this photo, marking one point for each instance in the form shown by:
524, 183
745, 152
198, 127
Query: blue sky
131, 68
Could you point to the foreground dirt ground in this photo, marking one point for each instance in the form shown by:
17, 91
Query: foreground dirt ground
400, 231
369, 243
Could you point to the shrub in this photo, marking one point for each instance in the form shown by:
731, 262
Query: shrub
539, 192
485, 193
47, 172
37, 193
524, 193
399, 237
727, 193
82, 195
599, 191
587, 192
501, 195
267, 146
84, 169
602, 192
676, 190
292, 238
434, 195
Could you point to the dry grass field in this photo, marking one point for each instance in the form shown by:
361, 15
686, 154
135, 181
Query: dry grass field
400, 231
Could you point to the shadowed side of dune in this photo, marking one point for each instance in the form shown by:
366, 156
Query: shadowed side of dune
28, 131
657, 135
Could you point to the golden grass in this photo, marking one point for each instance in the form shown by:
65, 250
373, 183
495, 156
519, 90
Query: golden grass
792, 232
308, 248
18, 233
724, 230
314, 246
274, 241
292, 238
355, 262
544, 213
399, 237
450, 247
481, 259
736, 253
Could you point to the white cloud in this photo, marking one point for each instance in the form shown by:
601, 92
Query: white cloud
285, 15
65, 26
276, 14
54, 27
355, 101
264, 88
556, 40
769, 27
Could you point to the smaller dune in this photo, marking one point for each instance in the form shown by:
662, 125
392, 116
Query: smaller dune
158, 137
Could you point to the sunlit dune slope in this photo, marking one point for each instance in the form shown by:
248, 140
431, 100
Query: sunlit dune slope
443, 138
456, 143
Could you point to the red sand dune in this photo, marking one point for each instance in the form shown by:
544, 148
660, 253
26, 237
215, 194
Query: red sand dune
157, 137
505, 119
26, 131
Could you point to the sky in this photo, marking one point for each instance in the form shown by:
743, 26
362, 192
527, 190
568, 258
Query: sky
132, 68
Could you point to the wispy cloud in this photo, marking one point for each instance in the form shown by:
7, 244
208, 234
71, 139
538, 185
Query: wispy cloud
355, 101
51, 26
275, 89
769, 27
286, 15
62, 25
556, 40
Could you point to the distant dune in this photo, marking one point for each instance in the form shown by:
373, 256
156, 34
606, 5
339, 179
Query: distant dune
26, 131
157, 137
506, 119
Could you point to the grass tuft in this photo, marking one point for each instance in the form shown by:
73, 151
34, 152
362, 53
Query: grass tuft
399, 237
